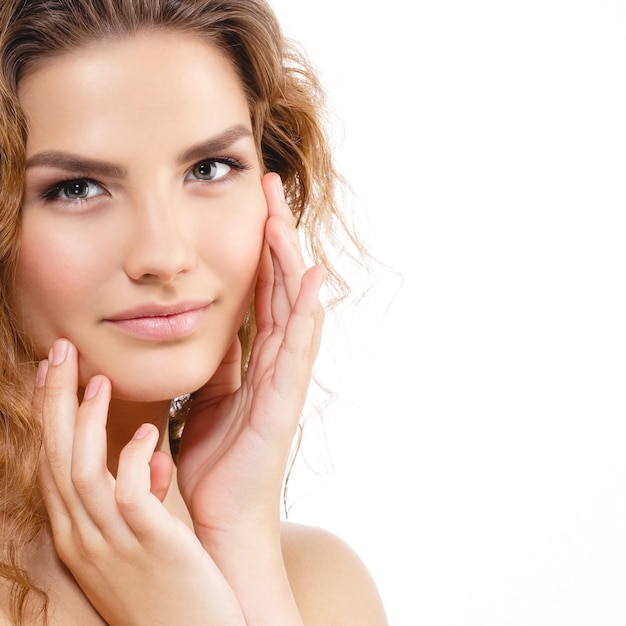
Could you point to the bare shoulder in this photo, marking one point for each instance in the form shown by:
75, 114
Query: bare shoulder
331, 584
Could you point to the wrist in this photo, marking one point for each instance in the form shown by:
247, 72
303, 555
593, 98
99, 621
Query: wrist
252, 563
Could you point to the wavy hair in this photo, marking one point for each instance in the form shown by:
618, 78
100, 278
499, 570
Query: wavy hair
287, 108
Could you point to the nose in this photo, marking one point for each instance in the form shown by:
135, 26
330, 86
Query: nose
160, 245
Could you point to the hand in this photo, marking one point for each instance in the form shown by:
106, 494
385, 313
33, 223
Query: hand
135, 562
238, 436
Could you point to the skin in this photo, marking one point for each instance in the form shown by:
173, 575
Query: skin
157, 223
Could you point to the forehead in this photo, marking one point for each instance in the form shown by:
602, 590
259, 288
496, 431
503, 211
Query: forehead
148, 84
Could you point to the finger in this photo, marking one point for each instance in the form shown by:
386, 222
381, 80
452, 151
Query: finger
293, 363
90, 475
58, 514
161, 470
55, 506
300, 345
272, 310
97, 521
59, 407
263, 292
295, 359
275, 197
282, 237
141, 510
283, 298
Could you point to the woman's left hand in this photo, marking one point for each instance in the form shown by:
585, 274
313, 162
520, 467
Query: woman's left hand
238, 436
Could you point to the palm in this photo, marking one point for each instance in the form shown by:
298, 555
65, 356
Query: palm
238, 436
229, 456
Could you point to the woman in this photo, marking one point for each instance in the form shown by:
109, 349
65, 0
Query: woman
148, 251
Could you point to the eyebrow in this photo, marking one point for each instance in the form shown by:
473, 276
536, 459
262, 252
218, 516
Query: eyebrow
216, 144
74, 163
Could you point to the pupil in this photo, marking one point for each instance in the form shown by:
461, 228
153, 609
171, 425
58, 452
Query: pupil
78, 189
205, 170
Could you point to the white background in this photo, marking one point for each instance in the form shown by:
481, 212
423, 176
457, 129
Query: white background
476, 455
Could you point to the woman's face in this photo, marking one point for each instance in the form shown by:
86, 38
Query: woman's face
143, 216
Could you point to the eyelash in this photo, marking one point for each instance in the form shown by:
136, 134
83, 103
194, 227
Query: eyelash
235, 165
51, 194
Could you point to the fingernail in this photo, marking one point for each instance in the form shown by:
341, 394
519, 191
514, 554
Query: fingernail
93, 386
42, 370
143, 431
59, 351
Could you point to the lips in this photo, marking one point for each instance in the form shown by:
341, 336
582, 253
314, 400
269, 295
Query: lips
161, 323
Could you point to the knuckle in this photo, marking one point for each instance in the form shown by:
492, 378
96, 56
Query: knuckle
317, 313
65, 549
127, 494
126, 499
54, 454
320, 312
66, 542
80, 546
84, 478
300, 350
55, 385
132, 453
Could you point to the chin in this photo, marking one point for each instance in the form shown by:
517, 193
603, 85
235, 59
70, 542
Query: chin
148, 393
161, 380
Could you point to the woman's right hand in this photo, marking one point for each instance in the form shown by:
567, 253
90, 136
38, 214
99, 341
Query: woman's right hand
136, 563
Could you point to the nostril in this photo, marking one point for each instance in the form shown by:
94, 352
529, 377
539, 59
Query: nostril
163, 259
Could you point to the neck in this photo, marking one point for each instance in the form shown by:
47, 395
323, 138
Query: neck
124, 419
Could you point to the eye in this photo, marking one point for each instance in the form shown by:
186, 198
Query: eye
78, 189
211, 170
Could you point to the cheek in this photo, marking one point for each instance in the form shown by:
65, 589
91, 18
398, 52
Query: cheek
52, 280
58, 251
231, 245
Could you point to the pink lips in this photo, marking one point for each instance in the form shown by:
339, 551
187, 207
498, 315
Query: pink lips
161, 323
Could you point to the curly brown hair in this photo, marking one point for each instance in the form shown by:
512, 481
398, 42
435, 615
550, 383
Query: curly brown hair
287, 108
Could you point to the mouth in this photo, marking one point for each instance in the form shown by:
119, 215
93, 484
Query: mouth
161, 323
